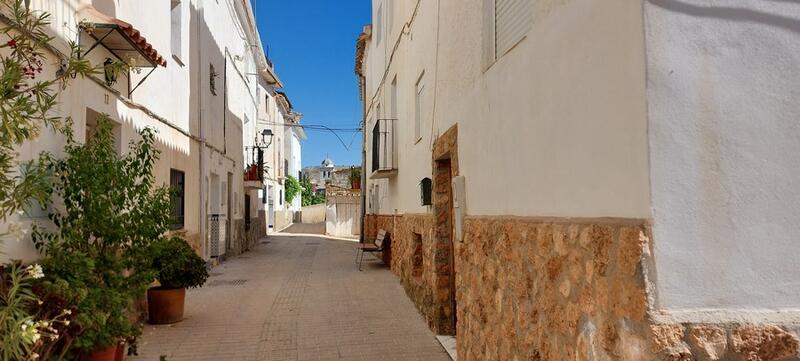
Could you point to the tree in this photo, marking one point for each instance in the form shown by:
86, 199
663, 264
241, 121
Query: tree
310, 198
26, 104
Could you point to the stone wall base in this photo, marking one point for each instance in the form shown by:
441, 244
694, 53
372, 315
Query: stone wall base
562, 289
245, 239
725, 341
412, 258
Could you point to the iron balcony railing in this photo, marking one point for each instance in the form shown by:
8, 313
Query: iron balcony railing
383, 157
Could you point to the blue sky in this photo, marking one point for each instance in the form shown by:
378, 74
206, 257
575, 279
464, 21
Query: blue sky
312, 44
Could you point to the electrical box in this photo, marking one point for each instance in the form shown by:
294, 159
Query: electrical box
459, 207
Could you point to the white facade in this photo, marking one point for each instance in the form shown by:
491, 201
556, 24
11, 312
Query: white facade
292, 150
682, 116
494, 102
200, 103
294, 135
267, 119
725, 147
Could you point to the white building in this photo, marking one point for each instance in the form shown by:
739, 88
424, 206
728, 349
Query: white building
589, 179
201, 95
293, 135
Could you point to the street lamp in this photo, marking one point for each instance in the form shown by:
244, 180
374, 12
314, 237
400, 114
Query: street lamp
258, 152
266, 139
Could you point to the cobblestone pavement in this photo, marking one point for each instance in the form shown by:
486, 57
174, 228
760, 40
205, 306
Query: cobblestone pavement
295, 298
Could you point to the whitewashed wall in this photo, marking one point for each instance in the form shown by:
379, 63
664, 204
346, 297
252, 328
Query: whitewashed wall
175, 100
723, 87
565, 126
293, 153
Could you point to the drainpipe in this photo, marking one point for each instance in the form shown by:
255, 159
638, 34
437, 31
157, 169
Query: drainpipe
225, 104
363, 158
203, 186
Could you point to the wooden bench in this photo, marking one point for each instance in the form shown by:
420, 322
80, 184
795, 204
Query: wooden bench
377, 246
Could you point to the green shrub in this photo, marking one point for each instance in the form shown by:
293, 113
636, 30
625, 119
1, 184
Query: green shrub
292, 186
103, 305
177, 265
112, 212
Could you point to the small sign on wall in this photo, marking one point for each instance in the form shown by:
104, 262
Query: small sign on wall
459, 207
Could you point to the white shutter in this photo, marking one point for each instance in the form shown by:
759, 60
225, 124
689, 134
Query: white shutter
512, 21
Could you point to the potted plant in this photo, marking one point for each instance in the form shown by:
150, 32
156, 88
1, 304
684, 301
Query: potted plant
101, 295
97, 251
177, 268
355, 178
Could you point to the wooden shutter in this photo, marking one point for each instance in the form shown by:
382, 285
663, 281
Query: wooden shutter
512, 20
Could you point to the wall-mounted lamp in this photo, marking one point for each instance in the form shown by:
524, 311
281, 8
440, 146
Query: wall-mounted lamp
110, 72
266, 139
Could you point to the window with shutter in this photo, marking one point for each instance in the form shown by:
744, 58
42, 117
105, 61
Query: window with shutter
418, 96
512, 20
178, 185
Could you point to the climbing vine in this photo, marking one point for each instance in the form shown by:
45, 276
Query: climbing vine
293, 188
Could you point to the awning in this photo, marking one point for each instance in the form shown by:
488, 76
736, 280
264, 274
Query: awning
120, 38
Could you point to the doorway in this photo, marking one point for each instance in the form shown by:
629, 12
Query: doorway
246, 212
228, 213
270, 207
443, 209
214, 226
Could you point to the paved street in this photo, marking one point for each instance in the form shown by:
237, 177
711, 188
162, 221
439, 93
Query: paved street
305, 228
296, 298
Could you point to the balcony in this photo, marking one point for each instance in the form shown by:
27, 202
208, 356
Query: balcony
384, 163
253, 177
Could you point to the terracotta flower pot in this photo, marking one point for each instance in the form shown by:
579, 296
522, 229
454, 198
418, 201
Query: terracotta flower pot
120, 354
356, 183
107, 354
165, 305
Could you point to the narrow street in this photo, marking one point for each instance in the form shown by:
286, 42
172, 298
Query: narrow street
295, 298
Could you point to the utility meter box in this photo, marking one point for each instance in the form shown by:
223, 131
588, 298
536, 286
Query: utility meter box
459, 207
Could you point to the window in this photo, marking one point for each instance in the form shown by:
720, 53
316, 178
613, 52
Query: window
177, 183
280, 197
92, 118
425, 188
512, 20
376, 135
176, 40
418, 96
379, 26
376, 198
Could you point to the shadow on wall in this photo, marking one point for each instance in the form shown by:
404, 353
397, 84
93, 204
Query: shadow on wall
212, 101
108, 7
733, 13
